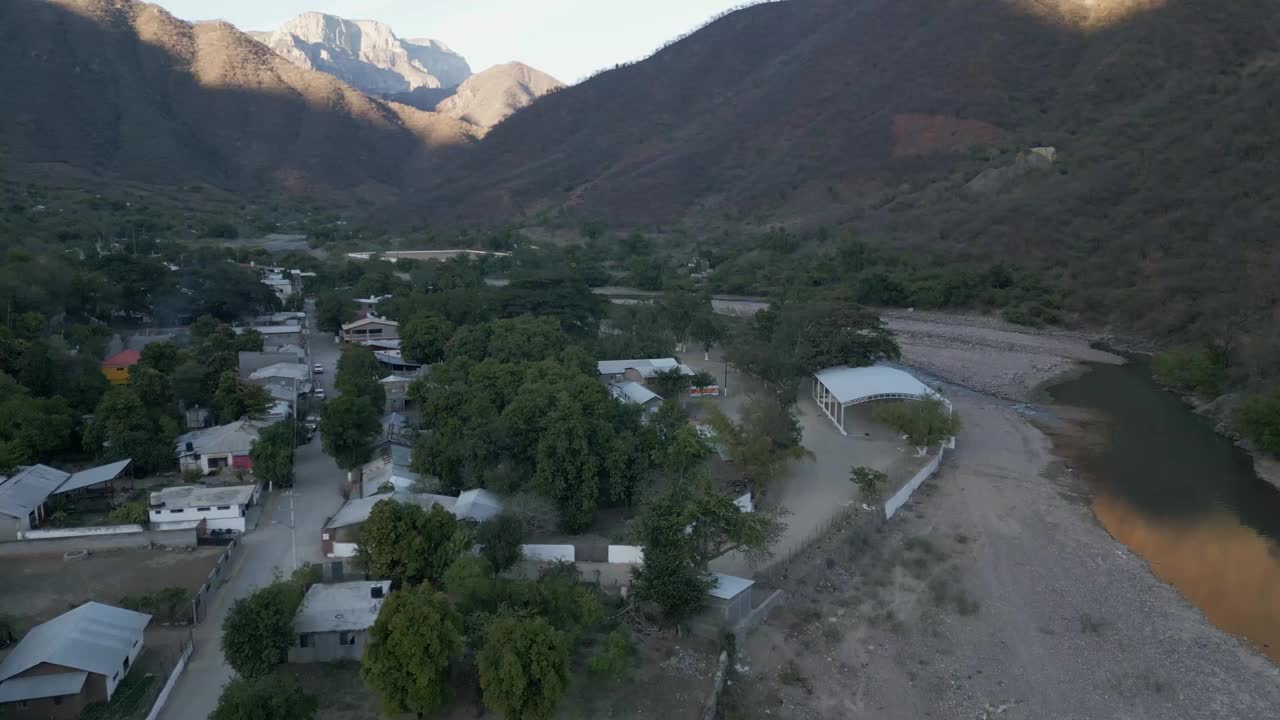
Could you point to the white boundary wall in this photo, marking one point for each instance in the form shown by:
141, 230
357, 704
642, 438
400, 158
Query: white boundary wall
54, 533
895, 503
168, 686
551, 553
626, 555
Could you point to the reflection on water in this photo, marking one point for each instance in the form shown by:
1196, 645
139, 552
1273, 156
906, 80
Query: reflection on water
1184, 498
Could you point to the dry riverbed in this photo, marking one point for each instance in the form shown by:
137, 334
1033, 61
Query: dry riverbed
996, 593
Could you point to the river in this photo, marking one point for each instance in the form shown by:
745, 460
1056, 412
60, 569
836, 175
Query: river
1183, 497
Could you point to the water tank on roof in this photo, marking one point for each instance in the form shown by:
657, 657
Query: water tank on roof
157, 499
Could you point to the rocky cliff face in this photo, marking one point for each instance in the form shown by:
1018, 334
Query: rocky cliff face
489, 97
366, 54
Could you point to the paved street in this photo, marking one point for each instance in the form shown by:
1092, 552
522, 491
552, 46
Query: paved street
288, 535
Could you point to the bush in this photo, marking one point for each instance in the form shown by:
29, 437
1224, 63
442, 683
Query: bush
1259, 420
870, 481
612, 660
1203, 372
134, 513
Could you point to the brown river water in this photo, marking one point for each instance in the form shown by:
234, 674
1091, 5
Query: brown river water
1183, 497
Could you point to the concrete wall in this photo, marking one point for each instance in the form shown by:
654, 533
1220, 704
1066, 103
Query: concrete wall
900, 498
163, 697
96, 531
200, 603
552, 553
167, 538
11, 528
325, 647
626, 554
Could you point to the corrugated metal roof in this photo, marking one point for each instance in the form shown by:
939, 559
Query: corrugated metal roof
479, 505
357, 510
124, 358
93, 637
236, 437
93, 476
634, 392
851, 384
42, 686
32, 485
341, 606
728, 587
647, 368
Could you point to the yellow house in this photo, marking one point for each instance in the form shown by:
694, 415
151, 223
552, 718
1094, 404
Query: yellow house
116, 367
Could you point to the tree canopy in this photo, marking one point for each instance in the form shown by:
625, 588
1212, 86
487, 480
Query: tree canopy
524, 667
924, 422
409, 545
266, 697
258, 630
411, 644
348, 426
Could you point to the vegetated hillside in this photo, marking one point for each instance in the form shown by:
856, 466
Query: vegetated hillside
489, 97
124, 90
1157, 213
365, 54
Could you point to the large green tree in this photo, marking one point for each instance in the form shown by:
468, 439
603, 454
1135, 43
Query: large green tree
235, 399
524, 667
122, 428
406, 662
258, 630
267, 697
332, 310
424, 337
568, 469
272, 454
409, 545
358, 374
525, 339
348, 426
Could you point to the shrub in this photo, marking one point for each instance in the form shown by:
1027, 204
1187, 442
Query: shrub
500, 540
1259, 420
1203, 372
133, 513
870, 481
611, 661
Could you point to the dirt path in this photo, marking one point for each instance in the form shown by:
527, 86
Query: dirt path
994, 595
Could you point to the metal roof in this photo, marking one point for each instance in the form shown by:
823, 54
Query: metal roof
236, 437
341, 606
479, 505
634, 392
124, 358
42, 686
850, 385
189, 496
357, 510
728, 587
646, 368
372, 319
21, 494
93, 476
94, 637
291, 370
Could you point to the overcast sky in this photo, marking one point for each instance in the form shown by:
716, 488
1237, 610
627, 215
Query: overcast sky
568, 38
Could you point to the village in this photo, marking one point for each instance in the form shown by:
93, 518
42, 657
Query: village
151, 568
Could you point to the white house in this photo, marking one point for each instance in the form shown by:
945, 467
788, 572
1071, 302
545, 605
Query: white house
222, 508
333, 621
639, 370
370, 328
214, 448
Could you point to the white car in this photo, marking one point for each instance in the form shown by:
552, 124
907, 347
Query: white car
318, 369
319, 394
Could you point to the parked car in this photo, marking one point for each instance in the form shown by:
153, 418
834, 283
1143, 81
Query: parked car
318, 369
319, 394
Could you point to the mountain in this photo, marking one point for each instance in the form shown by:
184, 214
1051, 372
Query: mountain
487, 98
122, 89
1153, 200
365, 54
424, 74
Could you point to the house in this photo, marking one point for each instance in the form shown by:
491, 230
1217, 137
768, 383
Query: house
392, 467
22, 496
220, 507
285, 373
116, 368
634, 393
333, 621
276, 336
70, 662
397, 391
368, 305
638, 370
276, 318
214, 448
392, 361
391, 345
340, 537
280, 285
370, 328
251, 362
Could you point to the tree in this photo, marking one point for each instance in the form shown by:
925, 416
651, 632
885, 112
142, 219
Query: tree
348, 425
524, 668
707, 330
681, 451
258, 630
702, 379
670, 577
525, 339
406, 662
566, 470
332, 310
1259, 420
423, 338
500, 540
612, 660
760, 445
122, 428
358, 375
924, 422
276, 696
468, 341
36, 429
409, 545
235, 399
162, 357
670, 383
870, 481
272, 453
153, 389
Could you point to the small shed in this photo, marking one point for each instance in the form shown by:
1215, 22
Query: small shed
730, 597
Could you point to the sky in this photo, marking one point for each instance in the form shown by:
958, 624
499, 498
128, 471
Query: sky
570, 39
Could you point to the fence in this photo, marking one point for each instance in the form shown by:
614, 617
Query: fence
893, 504
712, 706
173, 680
184, 537
200, 602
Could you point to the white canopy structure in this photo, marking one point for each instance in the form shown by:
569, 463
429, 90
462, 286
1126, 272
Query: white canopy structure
837, 388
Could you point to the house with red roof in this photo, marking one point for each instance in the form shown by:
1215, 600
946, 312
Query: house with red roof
116, 367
